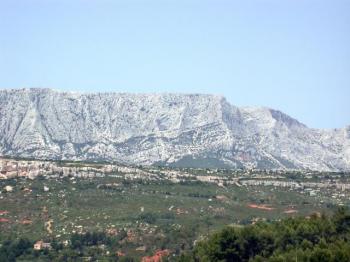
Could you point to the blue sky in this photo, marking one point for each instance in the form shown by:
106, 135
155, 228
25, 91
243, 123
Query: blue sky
291, 55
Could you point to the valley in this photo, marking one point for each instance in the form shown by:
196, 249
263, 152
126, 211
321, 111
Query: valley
149, 209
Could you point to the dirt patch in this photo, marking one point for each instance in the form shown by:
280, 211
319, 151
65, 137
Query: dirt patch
48, 225
290, 211
262, 207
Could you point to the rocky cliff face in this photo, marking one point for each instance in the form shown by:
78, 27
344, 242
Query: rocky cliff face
170, 129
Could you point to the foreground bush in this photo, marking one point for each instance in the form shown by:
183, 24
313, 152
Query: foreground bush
316, 238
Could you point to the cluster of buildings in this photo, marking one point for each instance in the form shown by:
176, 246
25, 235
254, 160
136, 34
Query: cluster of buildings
296, 185
40, 245
11, 168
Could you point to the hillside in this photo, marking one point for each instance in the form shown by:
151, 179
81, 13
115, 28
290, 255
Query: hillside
163, 129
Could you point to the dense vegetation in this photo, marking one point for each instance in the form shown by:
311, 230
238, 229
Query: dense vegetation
88, 246
314, 238
115, 218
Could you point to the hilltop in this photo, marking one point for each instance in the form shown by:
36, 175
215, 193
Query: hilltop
186, 130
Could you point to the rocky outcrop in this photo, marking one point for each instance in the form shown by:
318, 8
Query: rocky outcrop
167, 129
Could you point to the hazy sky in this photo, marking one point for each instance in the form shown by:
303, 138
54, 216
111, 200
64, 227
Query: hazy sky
292, 55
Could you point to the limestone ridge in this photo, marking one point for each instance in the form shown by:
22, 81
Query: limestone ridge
167, 129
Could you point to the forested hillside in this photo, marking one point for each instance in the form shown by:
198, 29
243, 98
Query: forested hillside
314, 238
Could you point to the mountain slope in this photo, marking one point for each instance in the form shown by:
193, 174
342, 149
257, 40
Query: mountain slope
171, 129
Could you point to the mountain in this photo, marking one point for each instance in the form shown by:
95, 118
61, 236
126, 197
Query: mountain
164, 129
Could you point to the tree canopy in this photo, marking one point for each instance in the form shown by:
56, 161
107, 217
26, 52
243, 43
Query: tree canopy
310, 239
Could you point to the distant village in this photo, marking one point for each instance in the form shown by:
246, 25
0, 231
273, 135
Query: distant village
336, 186
11, 168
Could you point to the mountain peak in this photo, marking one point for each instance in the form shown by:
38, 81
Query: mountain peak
163, 129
